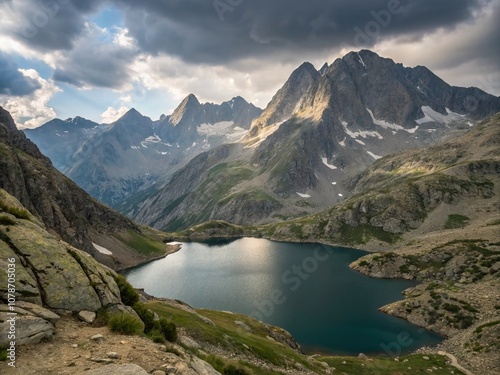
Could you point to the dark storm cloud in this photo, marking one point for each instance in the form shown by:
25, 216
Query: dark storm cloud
95, 64
215, 31
49, 24
12, 81
218, 31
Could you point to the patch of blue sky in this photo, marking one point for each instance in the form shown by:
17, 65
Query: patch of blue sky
108, 17
72, 102
41, 67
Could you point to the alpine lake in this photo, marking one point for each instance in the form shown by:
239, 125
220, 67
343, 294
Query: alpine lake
307, 289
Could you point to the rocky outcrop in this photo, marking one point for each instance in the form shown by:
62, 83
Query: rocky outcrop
51, 277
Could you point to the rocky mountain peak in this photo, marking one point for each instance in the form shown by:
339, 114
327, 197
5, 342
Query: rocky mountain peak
6, 120
304, 72
324, 68
290, 97
131, 115
187, 108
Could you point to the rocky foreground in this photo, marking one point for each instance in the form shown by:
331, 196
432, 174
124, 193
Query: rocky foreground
458, 296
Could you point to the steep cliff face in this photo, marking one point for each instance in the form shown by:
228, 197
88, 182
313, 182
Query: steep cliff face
61, 205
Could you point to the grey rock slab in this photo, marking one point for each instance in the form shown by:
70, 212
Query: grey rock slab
243, 325
189, 342
114, 369
39, 311
29, 329
87, 316
203, 368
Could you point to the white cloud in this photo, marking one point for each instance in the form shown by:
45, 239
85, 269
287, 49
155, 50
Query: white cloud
256, 81
31, 111
458, 55
123, 39
112, 114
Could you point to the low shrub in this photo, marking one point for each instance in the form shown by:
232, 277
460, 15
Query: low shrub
168, 329
125, 324
146, 315
456, 221
234, 370
157, 337
128, 294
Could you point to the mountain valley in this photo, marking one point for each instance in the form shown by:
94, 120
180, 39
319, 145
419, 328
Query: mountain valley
363, 153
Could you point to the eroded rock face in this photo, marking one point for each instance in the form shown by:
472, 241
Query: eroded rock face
49, 275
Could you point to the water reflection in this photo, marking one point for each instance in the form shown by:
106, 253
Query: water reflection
307, 289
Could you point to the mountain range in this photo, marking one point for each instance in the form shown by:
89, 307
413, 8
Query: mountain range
112, 161
319, 131
236, 163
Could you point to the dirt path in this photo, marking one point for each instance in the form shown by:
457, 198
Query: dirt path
455, 363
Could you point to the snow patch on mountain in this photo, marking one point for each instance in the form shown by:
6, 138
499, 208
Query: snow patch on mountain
376, 157
153, 139
388, 125
218, 129
431, 115
361, 60
102, 250
363, 133
325, 162
304, 195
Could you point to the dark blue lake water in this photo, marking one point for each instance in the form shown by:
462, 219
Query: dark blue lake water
307, 289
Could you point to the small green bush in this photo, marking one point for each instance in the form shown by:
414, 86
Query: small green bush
456, 221
147, 316
168, 329
128, 294
157, 337
233, 370
451, 307
125, 324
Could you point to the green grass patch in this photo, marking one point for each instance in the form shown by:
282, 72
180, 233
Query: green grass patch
456, 221
408, 365
141, 243
227, 334
125, 324
483, 326
15, 211
363, 233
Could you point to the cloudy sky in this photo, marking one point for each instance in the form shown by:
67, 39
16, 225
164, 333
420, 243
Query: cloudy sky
98, 58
